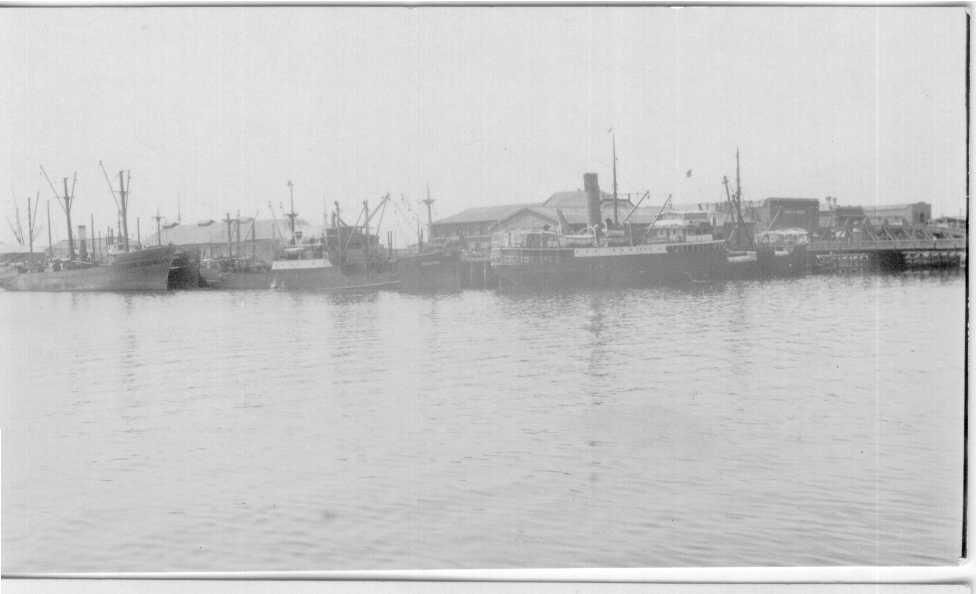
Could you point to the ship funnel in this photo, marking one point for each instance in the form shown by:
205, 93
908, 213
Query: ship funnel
82, 242
592, 187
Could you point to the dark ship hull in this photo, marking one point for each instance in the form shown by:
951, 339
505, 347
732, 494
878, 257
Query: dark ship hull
430, 272
781, 262
239, 281
143, 270
320, 275
625, 266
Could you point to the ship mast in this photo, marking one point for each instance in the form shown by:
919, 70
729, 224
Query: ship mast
50, 244
230, 241
613, 140
122, 202
291, 215
159, 233
735, 202
65, 202
338, 228
428, 201
738, 178
32, 219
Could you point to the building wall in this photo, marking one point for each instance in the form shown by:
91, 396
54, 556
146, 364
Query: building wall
525, 220
263, 249
466, 229
785, 213
919, 213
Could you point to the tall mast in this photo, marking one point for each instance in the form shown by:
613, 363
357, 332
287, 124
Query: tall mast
292, 214
65, 202
254, 236
230, 240
124, 201
338, 228
613, 140
121, 203
159, 233
430, 220
30, 228
237, 231
138, 233
32, 219
738, 179
67, 213
366, 229
50, 244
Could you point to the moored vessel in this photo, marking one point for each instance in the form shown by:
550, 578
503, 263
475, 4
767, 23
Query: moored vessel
142, 270
671, 250
345, 258
782, 252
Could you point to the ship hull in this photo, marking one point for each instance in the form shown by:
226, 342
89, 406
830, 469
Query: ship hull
144, 270
429, 273
309, 276
636, 266
779, 263
238, 280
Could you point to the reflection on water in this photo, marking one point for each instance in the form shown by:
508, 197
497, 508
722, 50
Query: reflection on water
804, 422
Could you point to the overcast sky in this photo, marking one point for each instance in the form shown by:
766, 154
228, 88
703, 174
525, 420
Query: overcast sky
221, 106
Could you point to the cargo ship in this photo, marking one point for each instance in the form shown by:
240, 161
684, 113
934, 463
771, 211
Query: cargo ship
345, 258
442, 264
782, 252
235, 273
142, 270
672, 250
438, 268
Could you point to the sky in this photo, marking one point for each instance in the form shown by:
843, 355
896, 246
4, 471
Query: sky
214, 110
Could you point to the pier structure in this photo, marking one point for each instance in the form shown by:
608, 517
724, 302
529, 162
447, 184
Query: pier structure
886, 254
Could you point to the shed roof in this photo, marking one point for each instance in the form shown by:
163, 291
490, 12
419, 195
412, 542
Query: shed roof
483, 214
216, 231
573, 199
807, 201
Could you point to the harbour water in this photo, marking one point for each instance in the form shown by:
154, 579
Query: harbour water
812, 421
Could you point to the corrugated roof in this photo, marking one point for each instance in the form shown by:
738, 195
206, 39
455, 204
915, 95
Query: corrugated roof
484, 214
881, 207
577, 199
216, 232
574, 199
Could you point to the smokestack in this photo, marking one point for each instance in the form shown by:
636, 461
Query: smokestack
82, 243
592, 188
